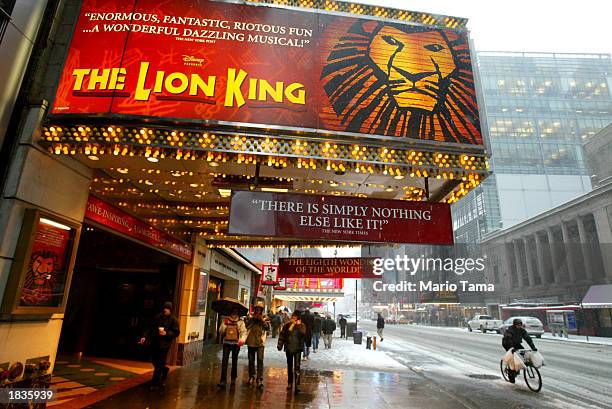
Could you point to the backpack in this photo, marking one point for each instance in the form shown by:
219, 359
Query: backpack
231, 333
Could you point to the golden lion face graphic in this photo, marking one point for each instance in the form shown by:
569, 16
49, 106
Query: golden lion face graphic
413, 82
401, 80
40, 278
42, 268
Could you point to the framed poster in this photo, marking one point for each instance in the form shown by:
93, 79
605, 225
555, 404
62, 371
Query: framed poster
269, 274
201, 287
42, 268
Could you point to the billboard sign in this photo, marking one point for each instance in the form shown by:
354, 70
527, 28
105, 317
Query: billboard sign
342, 267
264, 66
339, 218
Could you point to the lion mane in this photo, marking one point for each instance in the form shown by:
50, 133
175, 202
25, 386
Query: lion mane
363, 95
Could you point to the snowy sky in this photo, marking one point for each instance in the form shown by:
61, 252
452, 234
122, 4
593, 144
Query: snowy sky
526, 25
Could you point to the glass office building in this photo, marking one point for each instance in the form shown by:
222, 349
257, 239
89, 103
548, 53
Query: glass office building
539, 109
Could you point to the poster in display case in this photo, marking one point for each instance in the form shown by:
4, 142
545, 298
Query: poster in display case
42, 268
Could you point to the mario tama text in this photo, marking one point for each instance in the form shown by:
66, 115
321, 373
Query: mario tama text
423, 286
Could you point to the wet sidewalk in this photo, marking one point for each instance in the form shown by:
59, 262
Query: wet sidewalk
330, 378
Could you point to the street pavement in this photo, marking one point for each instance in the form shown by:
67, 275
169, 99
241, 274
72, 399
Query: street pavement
575, 374
414, 367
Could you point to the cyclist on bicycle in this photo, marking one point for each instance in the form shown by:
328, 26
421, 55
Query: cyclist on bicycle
512, 340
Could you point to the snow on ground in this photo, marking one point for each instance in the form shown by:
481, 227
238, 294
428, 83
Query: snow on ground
343, 354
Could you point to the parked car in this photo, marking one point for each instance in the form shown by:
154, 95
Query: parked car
484, 323
532, 325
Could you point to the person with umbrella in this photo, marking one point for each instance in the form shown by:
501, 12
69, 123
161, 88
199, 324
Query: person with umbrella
233, 335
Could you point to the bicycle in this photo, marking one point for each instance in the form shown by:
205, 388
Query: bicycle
532, 376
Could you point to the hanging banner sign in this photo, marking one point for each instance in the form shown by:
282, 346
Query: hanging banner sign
269, 274
327, 267
282, 284
339, 218
106, 215
198, 60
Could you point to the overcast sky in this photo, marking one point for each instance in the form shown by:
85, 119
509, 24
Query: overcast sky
526, 25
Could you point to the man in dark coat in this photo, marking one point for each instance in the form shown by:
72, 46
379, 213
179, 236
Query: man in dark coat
276, 322
308, 321
162, 331
316, 331
513, 337
342, 321
380, 325
328, 327
291, 339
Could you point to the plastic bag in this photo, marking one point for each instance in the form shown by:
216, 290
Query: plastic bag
508, 357
536, 359
518, 362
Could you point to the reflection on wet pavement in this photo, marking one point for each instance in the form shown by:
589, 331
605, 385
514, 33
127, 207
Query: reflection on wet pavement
194, 386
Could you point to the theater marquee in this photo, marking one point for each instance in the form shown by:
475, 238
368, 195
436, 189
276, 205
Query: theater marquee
262, 66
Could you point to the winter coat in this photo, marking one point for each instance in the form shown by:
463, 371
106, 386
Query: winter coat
316, 324
308, 320
257, 328
514, 336
242, 331
380, 322
276, 320
171, 326
292, 337
342, 321
328, 326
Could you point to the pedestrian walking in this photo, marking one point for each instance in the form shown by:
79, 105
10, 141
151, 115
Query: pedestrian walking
233, 334
257, 326
276, 323
291, 339
316, 331
160, 334
328, 327
380, 325
285, 317
307, 320
342, 321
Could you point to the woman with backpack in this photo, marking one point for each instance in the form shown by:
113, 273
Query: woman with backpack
233, 335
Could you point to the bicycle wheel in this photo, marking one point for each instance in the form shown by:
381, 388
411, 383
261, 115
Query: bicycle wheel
504, 370
533, 379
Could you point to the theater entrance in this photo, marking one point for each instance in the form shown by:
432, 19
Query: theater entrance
118, 286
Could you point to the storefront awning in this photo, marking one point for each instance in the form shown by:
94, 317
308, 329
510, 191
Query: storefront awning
598, 296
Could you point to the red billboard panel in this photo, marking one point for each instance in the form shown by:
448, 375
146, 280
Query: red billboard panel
339, 218
341, 267
222, 62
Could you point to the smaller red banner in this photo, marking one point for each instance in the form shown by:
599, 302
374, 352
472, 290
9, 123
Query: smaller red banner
104, 214
355, 267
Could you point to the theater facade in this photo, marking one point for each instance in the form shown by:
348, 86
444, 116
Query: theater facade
147, 120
